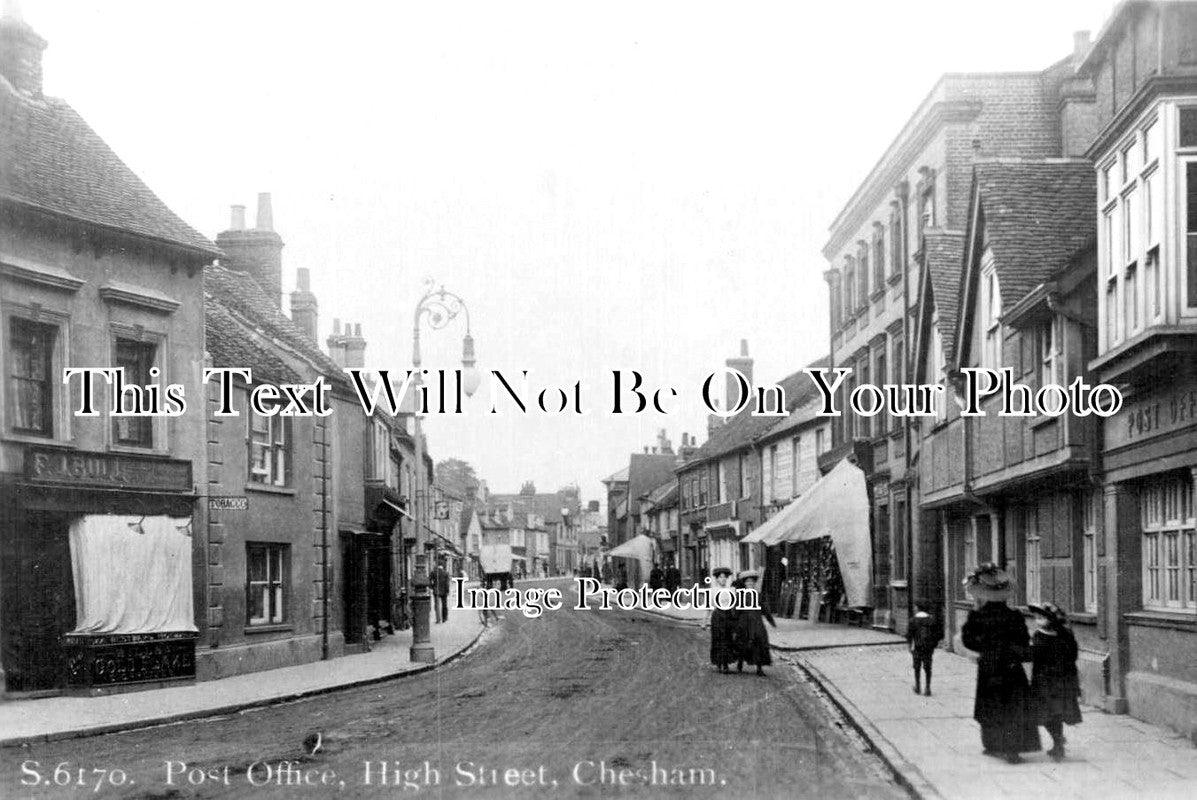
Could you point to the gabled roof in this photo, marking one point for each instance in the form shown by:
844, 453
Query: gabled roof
740, 431
53, 161
945, 262
647, 471
240, 293
1036, 216
665, 495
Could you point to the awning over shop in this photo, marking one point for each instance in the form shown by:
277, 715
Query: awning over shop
836, 506
640, 546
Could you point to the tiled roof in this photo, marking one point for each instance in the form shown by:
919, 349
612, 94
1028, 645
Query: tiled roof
1038, 215
945, 256
665, 495
547, 505
647, 471
740, 431
230, 345
240, 293
53, 160
617, 477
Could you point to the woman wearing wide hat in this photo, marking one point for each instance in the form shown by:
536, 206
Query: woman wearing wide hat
753, 638
722, 624
998, 634
1055, 685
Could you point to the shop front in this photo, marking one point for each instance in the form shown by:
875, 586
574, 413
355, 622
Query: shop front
1147, 565
97, 572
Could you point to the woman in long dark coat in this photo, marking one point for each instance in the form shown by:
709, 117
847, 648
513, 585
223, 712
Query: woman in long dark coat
1055, 685
722, 624
998, 634
753, 637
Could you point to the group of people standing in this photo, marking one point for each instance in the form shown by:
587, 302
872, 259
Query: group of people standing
738, 634
668, 578
1009, 708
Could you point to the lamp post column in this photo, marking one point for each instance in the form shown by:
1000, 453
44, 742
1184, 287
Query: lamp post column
422, 650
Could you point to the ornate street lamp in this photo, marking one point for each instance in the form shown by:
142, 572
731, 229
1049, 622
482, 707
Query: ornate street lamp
440, 307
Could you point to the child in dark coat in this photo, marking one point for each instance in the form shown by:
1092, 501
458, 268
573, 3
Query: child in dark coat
924, 635
1055, 685
753, 638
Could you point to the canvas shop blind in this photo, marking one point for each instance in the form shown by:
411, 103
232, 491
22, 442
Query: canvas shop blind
132, 573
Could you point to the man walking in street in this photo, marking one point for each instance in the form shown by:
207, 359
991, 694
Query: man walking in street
440, 585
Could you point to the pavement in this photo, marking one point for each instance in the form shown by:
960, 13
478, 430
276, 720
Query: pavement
933, 744
47, 719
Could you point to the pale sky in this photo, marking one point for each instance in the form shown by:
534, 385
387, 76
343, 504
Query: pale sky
608, 185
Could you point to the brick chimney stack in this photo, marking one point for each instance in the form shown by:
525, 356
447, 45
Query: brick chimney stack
336, 344
258, 250
1080, 46
20, 51
743, 363
355, 346
304, 309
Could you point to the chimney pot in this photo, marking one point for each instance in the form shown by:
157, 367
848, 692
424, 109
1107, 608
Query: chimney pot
303, 276
357, 329
265, 212
743, 348
238, 221
336, 326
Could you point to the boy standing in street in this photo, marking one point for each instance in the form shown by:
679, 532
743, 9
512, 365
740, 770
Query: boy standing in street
923, 636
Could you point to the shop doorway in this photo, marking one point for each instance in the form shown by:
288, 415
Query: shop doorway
38, 600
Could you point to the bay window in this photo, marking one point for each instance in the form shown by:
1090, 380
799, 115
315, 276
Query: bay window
1050, 352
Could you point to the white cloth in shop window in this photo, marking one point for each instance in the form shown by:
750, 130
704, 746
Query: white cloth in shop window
132, 574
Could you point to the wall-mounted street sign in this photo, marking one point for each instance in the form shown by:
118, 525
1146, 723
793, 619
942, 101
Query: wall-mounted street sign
442, 509
228, 503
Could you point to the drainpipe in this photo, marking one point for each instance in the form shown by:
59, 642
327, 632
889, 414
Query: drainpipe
324, 539
902, 191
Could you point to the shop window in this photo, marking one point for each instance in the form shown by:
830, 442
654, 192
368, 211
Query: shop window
136, 358
1169, 563
266, 569
1090, 503
969, 548
269, 450
31, 347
